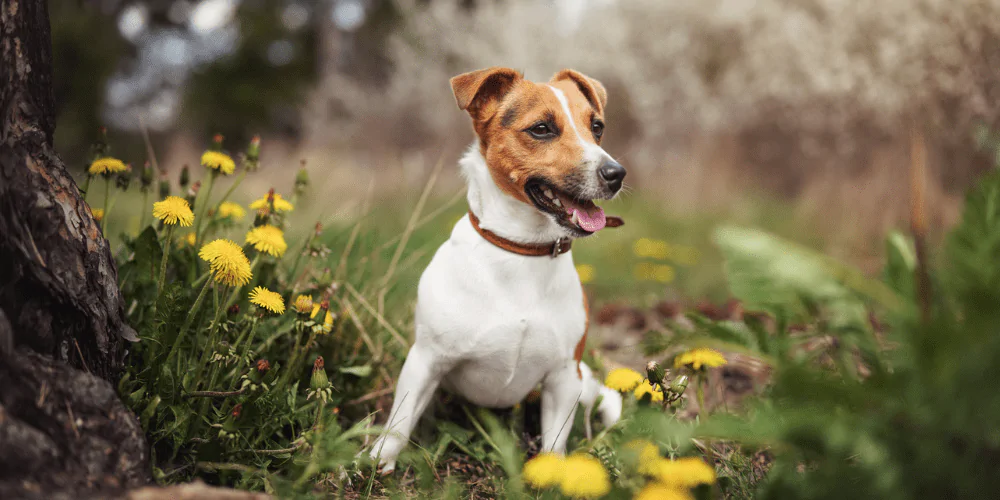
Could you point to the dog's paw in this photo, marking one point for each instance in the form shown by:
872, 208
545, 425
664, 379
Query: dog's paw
382, 454
610, 407
387, 468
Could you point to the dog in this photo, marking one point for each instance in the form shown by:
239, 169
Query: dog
500, 308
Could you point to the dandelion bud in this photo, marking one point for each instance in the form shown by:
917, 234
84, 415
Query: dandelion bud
301, 179
679, 385
319, 379
164, 185
147, 176
654, 372
319, 228
304, 304
233, 310
237, 410
263, 366
185, 176
192, 193
251, 159
123, 179
253, 151
217, 142
99, 148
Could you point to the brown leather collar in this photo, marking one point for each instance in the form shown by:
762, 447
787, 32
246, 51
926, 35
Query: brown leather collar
554, 249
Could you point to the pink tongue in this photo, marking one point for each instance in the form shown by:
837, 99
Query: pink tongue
591, 222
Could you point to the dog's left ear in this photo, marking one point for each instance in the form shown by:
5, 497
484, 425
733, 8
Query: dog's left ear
475, 90
591, 88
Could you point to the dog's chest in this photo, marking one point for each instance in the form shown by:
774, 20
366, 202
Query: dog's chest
505, 325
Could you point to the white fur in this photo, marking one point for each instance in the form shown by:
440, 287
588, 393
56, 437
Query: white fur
491, 325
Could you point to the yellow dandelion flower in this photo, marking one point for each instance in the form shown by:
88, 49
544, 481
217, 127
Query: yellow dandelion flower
230, 210
190, 239
107, 165
656, 249
623, 379
700, 357
685, 472
303, 304
544, 470
268, 239
218, 161
98, 214
173, 210
584, 477
267, 299
660, 491
280, 204
228, 263
664, 273
586, 272
648, 455
655, 394
327, 320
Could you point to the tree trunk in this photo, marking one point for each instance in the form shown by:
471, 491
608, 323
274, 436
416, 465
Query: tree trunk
63, 430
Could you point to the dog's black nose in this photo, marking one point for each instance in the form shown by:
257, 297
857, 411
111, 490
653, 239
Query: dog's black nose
612, 173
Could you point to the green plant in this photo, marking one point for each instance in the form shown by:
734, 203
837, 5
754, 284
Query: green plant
905, 410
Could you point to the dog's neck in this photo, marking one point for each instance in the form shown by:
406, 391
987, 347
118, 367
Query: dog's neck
499, 212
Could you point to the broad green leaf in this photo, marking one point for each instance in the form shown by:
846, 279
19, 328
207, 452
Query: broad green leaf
788, 280
357, 371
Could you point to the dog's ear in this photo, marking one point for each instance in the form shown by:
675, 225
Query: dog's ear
591, 88
474, 90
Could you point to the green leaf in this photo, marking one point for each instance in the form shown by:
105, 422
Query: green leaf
148, 252
973, 248
789, 280
357, 371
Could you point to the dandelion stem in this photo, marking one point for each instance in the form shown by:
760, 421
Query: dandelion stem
201, 278
163, 267
189, 319
298, 258
700, 393
293, 359
313, 467
145, 203
249, 333
225, 197
213, 394
204, 207
86, 187
107, 206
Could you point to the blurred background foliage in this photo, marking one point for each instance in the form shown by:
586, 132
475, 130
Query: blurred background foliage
714, 106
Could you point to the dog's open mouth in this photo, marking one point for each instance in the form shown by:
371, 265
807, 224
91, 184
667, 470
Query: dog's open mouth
575, 213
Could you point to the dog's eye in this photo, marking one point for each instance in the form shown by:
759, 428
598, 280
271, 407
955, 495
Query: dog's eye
541, 131
597, 128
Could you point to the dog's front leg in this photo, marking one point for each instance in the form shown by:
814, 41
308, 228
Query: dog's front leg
417, 382
561, 392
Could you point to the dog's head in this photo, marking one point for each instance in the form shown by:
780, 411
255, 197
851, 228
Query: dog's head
542, 142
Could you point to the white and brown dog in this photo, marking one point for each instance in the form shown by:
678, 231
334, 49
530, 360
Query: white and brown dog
500, 308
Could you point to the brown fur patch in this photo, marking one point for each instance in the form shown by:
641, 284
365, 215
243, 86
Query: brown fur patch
503, 106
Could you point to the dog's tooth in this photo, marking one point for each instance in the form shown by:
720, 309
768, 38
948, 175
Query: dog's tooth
548, 193
557, 202
576, 218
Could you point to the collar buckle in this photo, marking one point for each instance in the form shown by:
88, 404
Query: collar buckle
557, 247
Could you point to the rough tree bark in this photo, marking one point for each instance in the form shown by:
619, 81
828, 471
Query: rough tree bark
63, 431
